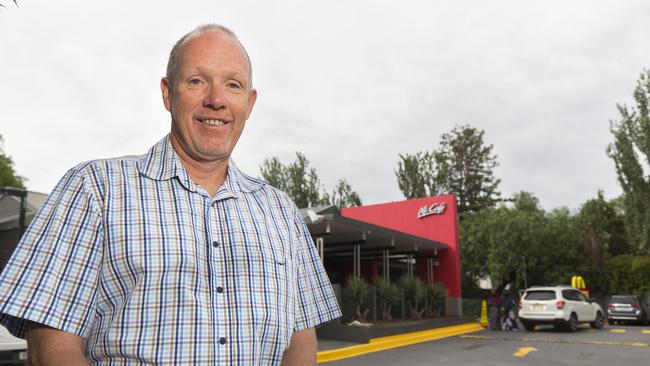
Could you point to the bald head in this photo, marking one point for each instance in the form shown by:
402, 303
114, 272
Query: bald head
175, 56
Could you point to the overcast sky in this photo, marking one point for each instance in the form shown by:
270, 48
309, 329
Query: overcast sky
351, 84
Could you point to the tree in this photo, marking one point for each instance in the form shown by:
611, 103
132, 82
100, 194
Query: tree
8, 176
302, 184
463, 165
632, 139
274, 172
466, 168
344, 196
298, 179
415, 175
500, 243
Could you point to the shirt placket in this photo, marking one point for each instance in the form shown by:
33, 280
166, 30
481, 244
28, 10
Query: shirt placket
217, 239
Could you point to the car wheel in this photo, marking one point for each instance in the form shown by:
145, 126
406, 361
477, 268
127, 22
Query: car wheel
599, 322
528, 326
572, 325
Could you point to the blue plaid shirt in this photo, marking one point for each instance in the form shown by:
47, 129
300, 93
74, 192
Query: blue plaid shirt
133, 256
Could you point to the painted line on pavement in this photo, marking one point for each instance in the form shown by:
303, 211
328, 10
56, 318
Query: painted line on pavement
617, 330
549, 340
645, 331
385, 343
524, 351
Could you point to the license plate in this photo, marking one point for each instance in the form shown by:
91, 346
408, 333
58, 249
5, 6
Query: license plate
22, 355
538, 307
623, 309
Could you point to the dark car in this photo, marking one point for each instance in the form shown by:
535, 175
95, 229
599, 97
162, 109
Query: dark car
628, 308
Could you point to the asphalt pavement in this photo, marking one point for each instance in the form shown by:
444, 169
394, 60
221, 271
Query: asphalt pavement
612, 345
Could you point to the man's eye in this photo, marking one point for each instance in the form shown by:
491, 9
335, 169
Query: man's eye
195, 82
234, 85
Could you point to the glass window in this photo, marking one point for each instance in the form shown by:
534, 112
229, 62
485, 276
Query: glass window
540, 295
624, 300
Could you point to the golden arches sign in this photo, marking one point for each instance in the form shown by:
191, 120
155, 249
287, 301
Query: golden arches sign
579, 283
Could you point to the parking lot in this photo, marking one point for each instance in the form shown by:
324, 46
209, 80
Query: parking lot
612, 345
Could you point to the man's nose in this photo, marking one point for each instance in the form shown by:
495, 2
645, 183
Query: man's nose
215, 97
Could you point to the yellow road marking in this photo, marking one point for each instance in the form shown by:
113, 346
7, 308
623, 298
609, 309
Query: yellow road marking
617, 330
523, 351
645, 331
384, 343
549, 340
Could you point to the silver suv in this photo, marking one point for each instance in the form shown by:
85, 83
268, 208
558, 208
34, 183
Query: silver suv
562, 306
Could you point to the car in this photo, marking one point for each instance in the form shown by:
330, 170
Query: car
13, 351
627, 308
564, 307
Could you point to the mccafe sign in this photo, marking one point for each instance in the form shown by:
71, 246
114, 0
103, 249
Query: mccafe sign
434, 209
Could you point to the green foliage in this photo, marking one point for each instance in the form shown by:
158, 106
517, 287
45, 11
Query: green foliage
415, 175
629, 274
388, 295
552, 246
414, 293
8, 176
344, 196
302, 184
496, 242
435, 295
632, 140
358, 290
463, 165
466, 165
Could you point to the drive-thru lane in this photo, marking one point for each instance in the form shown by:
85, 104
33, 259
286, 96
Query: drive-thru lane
612, 345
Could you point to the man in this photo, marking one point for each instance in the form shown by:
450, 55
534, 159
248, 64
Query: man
175, 257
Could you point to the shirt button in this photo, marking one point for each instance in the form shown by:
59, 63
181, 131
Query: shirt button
222, 340
219, 289
215, 243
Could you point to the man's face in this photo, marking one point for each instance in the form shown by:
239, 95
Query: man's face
210, 99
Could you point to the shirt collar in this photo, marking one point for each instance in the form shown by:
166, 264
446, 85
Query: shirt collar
162, 163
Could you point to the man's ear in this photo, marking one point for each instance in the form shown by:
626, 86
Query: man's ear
166, 89
252, 97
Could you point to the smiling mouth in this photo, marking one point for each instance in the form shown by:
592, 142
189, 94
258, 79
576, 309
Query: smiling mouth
213, 122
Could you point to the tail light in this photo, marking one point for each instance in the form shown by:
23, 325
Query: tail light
610, 305
636, 306
559, 304
520, 304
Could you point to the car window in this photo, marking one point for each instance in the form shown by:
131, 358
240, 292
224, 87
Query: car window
624, 300
569, 295
580, 296
540, 295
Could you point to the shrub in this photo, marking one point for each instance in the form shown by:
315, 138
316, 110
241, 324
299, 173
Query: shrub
357, 290
414, 292
388, 294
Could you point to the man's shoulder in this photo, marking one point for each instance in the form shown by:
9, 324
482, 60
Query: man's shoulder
121, 162
260, 187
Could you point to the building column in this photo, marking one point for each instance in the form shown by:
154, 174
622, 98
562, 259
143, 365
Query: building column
320, 247
356, 260
385, 264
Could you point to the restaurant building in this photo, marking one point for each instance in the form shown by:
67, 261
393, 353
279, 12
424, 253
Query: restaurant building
416, 237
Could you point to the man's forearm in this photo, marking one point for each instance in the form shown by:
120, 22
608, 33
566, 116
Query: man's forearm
302, 349
48, 346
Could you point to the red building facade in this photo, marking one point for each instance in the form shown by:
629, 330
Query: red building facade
433, 218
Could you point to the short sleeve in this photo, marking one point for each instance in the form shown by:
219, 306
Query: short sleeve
315, 300
52, 275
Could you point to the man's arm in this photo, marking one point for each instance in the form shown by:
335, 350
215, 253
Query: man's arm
49, 346
302, 349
